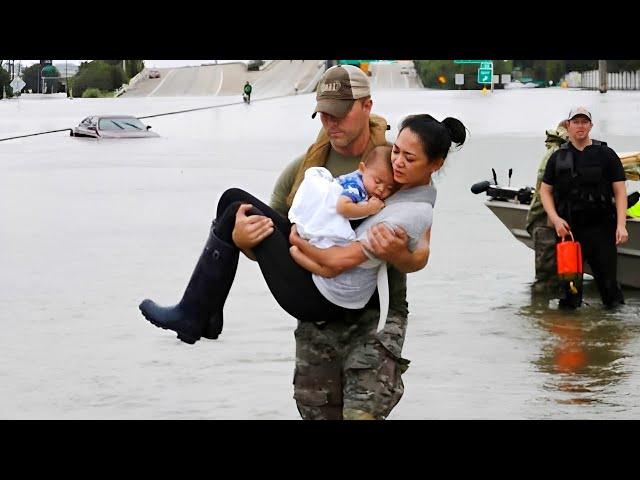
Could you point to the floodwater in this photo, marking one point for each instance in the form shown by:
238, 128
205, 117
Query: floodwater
89, 228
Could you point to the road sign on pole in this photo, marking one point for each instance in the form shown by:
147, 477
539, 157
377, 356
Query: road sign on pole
484, 75
17, 83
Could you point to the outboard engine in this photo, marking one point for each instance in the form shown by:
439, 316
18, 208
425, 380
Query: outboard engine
504, 194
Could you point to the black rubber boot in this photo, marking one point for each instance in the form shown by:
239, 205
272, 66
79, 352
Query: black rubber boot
199, 313
611, 294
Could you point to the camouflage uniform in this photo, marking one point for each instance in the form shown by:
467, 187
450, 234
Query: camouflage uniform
344, 368
543, 235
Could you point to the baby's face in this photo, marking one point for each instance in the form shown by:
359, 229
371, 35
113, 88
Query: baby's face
378, 180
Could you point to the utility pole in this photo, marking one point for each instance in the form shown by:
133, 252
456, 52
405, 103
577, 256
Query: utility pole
602, 70
491, 76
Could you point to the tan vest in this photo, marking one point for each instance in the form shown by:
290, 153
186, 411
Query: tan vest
318, 153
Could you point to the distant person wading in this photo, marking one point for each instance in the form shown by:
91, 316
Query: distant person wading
247, 92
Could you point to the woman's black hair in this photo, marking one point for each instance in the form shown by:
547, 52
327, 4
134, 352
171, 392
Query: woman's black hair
436, 137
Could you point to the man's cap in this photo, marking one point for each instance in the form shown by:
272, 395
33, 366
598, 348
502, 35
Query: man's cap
579, 111
338, 88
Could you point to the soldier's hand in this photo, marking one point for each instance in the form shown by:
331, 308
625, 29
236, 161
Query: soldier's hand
562, 227
249, 231
621, 234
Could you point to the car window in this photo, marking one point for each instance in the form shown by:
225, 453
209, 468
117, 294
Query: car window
130, 124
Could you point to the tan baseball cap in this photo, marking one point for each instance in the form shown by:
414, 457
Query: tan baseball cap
579, 111
338, 88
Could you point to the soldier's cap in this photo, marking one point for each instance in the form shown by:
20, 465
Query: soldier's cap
338, 88
579, 111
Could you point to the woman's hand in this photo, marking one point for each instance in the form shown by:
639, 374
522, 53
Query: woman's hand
326, 262
249, 231
294, 238
386, 244
393, 247
317, 255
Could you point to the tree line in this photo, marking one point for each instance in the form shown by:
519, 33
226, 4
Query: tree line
441, 73
100, 75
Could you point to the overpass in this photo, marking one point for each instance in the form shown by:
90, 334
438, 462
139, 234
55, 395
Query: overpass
277, 78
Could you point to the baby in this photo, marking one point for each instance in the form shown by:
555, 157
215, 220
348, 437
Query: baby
323, 205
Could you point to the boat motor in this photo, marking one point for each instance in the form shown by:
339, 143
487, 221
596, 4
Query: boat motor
509, 193
480, 187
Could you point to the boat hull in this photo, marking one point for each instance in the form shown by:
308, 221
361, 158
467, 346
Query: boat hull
514, 215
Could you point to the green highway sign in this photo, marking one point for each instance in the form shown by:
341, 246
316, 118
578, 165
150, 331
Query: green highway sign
486, 64
470, 61
484, 75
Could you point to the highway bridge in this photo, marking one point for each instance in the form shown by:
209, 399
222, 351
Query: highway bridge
276, 78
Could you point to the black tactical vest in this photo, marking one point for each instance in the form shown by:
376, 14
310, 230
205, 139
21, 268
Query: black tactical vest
581, 193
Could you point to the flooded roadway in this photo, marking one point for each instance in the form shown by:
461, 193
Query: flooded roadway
89, 228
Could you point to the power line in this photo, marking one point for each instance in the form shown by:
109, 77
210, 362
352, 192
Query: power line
146, 116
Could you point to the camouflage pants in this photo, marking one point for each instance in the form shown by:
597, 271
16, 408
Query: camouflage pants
347, 370
544, 241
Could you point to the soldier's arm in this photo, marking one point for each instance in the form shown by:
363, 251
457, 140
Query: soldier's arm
283, 187
251, 230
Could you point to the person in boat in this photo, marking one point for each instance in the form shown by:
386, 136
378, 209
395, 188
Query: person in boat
581, 181
538, 226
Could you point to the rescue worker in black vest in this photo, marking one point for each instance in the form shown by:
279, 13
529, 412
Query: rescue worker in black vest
580, 183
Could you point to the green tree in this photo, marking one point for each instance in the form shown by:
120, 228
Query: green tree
4, 80
581, 65
31, 75
441, 73
98, 74
623, 65
133, 67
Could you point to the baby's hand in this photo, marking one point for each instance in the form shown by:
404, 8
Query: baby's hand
374, 205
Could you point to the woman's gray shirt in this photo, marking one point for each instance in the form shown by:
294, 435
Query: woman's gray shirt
410, 209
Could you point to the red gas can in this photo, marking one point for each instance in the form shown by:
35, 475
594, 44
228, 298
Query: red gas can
569, 256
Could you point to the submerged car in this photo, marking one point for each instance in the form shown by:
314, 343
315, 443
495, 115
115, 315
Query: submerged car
112, 126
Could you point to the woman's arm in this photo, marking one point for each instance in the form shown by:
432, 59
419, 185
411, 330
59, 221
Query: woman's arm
392, 247
326, 262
